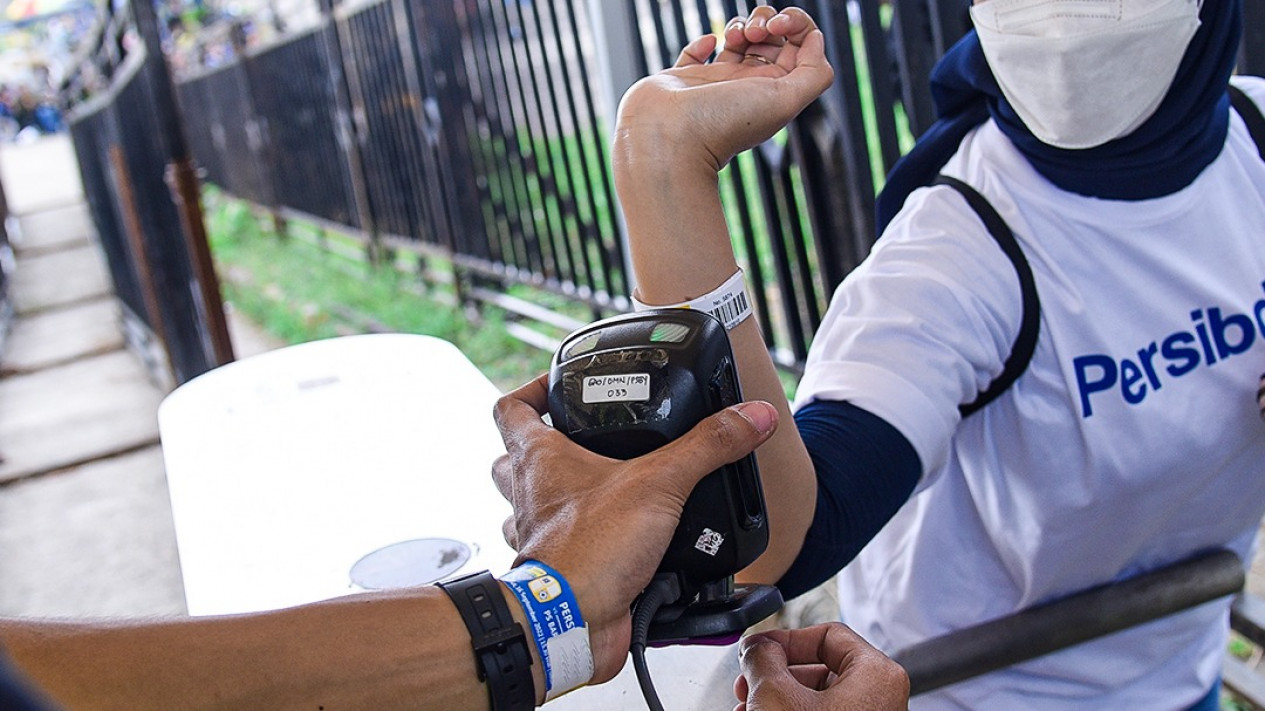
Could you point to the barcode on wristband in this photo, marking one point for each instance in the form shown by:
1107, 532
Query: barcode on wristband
727, 303
732, 311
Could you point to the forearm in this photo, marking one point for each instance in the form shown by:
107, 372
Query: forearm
382, 651
681, 249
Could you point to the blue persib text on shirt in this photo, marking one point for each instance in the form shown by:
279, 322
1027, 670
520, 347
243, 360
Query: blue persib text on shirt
1215, 335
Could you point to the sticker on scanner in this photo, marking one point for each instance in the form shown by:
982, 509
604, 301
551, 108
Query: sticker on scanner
628, 387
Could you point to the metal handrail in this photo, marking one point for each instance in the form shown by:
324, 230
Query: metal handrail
1093, 613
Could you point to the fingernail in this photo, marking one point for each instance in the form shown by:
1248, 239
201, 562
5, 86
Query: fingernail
760, 414
749, 642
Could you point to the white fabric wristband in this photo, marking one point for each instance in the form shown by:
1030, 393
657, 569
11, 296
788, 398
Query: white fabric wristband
729, 302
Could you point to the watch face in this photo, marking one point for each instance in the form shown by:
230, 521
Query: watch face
410, 563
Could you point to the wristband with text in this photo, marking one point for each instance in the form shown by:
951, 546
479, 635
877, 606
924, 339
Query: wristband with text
500, 646
728, 302
556, 623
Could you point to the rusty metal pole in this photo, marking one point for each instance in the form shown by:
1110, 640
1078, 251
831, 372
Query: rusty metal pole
135, 235
182, 181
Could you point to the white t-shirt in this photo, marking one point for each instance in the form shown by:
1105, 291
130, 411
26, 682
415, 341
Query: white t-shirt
1133, 439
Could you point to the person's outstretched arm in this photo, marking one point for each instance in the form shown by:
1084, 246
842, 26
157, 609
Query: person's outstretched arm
407, 649
676, 130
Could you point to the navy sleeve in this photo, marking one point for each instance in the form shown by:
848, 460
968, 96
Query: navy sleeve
15, 694
866, 470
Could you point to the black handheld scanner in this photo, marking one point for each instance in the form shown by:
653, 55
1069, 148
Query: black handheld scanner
627, 385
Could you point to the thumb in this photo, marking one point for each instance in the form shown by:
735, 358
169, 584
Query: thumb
697, 51
724, 437
764, 667
812, 73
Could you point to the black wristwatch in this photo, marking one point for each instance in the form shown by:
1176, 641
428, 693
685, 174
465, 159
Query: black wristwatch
500, 647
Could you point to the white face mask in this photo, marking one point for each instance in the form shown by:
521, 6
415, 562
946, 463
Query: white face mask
1081, 73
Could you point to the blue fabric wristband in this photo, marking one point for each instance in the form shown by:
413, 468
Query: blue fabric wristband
556, 624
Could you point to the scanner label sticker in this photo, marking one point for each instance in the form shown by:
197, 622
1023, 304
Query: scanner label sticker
628, 387
709, 542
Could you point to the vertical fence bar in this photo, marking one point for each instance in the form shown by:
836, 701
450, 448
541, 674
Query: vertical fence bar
86, 133
548, 164
182, 181
576, 234
850, 175
576, 163
661, 39
1252, 50
383, 128
483, 116
557, 265
292, 90
950, 21
620, 68
419, 95
879, 65
448, 118
135, 235
344, 96
540, 259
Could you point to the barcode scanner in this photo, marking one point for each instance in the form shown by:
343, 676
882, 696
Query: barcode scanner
627, 385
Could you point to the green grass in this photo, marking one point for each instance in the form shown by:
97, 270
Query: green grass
300, 292
318, 285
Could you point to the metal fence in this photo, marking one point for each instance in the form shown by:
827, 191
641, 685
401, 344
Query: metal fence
478, 128
147, 228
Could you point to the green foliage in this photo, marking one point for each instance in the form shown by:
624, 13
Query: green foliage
1244, 650
299, 291
1240, 647
1229, 703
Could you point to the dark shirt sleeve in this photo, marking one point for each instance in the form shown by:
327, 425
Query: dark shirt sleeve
866, 470
16, 694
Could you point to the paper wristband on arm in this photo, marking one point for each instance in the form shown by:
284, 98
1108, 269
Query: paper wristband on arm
556, 624
729, 302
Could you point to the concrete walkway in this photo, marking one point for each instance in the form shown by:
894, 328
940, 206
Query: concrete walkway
85, 520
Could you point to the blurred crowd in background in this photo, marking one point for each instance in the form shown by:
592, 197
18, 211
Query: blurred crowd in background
38, 41
45, 48
26, 111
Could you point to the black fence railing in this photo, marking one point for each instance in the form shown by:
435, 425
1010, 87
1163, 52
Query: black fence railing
127, 148
479, 129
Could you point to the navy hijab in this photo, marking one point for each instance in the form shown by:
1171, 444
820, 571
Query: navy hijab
1164, 155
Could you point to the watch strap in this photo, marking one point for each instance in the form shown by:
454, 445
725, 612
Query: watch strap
502, 657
